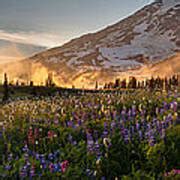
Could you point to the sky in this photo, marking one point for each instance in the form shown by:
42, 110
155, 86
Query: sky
51, 23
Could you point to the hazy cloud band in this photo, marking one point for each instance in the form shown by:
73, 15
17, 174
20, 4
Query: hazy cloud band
33, 38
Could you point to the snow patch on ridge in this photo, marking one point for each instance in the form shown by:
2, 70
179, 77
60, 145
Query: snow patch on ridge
119, 56
76, 59
166, 5
170, 2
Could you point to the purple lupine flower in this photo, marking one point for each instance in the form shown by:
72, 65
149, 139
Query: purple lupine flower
170, 119
96, 134
50, 156
154, 120
1, 134
70, 138
123, 113
26, 156
97, 149
105, 132
8, 167
57, 167
103, 178
140, 135
56, 154
161, 111
89, 173
70, 123
132, 129
137, 126
90, 142
165, 105
163, 125
147, 135
43, 164
167, 122
28, 164
56, 121
126, 138
41, 156
51, 167
79, 122
25, 148
143, 112
37, 156
113, 125
114, 115
129, 113
158, 125
32, 171
126, 135
10, 157
23, 172
105, 125
43, 161
174, 106
151, 141
133, 110
148, 126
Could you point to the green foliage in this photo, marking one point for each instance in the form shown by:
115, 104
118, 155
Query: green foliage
134, 159
165, 155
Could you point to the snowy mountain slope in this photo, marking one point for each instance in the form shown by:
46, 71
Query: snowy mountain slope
150, 35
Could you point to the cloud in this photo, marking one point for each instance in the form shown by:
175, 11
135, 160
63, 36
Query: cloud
151, 1
34, 38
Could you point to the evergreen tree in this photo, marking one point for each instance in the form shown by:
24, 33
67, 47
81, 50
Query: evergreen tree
96, 87
49, 81
31, 83
117, 83
123, 83
6, 88
17, 83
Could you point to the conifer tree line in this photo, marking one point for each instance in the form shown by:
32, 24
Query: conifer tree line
152, 83
133, 83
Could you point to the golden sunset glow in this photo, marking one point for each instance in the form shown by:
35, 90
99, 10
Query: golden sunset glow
89, 89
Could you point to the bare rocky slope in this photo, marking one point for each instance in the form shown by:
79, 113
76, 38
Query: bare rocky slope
163, 69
